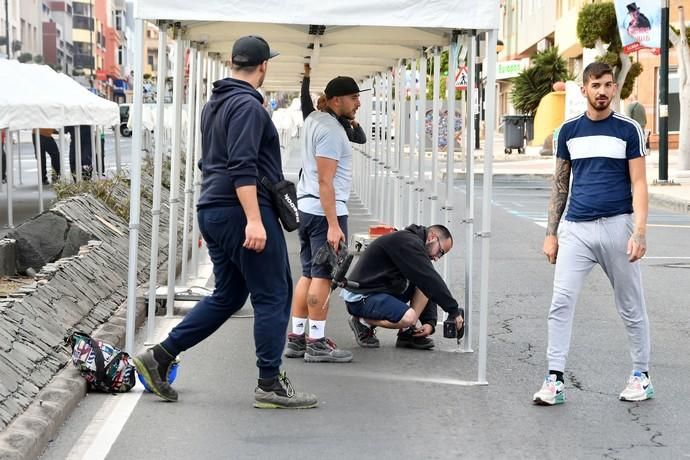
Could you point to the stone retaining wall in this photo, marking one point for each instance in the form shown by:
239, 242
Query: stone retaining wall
79, 292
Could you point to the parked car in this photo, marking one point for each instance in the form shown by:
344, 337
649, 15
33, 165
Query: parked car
124, 119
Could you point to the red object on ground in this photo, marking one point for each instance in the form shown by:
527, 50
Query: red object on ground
379, 230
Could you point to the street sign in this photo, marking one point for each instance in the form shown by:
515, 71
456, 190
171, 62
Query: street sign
461, 78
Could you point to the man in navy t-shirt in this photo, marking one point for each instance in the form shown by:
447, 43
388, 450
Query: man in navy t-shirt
604, 153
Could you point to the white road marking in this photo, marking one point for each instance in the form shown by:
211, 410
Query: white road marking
668, 225
107, 424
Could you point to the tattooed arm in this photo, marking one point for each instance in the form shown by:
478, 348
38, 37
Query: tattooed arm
559, 197
637, 244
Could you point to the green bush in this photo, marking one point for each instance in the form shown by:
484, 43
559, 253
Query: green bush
535, 82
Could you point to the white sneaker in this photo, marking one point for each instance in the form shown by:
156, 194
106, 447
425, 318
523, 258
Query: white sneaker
639, 388
551, 392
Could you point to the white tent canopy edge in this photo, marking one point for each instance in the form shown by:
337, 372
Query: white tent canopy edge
443, 14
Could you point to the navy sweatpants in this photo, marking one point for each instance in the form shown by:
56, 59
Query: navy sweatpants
240, 272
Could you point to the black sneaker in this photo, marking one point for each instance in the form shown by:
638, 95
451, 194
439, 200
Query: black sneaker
277, 393
296, 346
324, 350
154, 365
407, 340
365, 336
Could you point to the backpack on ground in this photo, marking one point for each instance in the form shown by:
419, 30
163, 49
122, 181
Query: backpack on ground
105, 367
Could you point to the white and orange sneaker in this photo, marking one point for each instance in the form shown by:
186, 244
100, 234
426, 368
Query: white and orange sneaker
551, 392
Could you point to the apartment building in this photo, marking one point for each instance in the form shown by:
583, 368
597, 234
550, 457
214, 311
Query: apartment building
30, 26
57, 35
14, 24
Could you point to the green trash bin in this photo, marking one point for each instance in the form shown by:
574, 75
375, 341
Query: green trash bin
514, 133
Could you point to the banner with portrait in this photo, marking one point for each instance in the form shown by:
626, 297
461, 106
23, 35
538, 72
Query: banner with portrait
639, 24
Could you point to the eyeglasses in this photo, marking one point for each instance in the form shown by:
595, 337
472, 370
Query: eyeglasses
441, 252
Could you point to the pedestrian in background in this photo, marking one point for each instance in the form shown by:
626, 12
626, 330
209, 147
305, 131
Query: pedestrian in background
637, 112
604, 152
245, 241
86, 139
47, 146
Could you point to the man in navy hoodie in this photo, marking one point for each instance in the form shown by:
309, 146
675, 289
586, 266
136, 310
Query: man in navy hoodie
240, 146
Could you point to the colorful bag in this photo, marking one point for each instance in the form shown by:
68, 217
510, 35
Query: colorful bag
104, 367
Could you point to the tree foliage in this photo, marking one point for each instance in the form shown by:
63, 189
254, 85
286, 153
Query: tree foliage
598, 21
25, 57
535, 82
597, 25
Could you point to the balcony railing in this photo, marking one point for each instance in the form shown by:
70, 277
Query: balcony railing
82, 22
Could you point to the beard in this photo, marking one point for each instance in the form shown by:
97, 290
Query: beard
599, 104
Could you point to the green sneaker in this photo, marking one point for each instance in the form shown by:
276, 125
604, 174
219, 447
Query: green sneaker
278, 393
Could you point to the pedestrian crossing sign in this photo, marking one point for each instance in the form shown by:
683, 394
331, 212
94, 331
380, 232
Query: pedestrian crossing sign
461, 78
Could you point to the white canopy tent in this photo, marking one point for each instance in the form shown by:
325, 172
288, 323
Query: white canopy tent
373, 43
35, 96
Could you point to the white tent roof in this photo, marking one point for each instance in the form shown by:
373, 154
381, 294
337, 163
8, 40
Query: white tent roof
35, 96
369, 37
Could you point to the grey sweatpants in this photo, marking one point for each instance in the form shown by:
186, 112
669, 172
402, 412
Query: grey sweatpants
581, 245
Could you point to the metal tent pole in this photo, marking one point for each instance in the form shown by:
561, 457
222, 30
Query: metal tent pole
388, 210
77, 152
135, 184
64, 157
157, 180
175, 170
413, 143
189, 162
450, 144
10, 178
469, 193
434, 137
202, 64
486, 204
421, 177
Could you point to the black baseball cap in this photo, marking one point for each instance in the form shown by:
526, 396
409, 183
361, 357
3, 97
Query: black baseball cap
342, 86
251, 50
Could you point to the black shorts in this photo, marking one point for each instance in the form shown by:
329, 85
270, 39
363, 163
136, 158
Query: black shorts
313, 232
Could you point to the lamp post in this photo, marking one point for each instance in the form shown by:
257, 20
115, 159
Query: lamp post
663, 97
480, 87
7, 28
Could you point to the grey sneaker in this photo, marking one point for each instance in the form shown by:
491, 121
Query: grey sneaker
296, 345
279, 394
365, 336
325, 350
150, 365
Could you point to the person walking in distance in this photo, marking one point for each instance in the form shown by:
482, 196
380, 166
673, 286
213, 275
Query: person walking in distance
322, 193
245, 241
605, 224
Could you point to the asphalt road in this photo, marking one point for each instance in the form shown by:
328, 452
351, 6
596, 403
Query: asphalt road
392, 403
25, 194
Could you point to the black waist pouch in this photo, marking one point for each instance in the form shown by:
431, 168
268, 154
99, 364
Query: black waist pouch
284, 197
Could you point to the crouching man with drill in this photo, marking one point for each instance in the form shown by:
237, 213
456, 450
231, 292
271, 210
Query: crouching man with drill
397, 286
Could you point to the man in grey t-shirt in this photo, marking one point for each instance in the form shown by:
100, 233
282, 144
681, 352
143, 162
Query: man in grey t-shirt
322, 193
